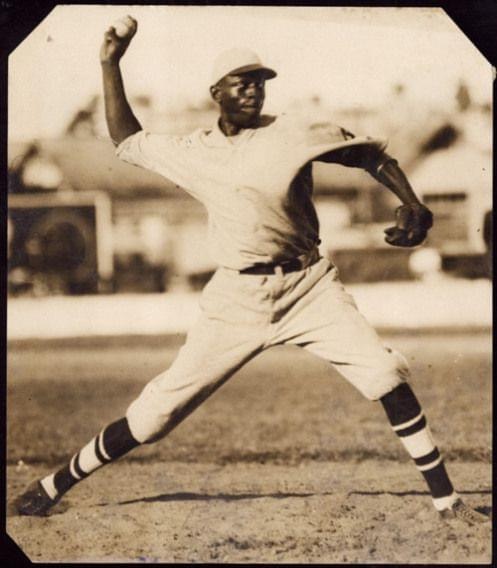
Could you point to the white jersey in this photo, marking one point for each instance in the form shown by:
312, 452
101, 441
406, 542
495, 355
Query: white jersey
257, 185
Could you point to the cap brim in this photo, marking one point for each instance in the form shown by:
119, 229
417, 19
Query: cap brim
266, 71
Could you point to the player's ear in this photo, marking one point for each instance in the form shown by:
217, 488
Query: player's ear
216, 93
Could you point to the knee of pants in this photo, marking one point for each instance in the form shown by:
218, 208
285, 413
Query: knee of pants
386, 379
157, 410
401, 363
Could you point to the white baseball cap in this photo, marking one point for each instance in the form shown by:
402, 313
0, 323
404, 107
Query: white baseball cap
238, 60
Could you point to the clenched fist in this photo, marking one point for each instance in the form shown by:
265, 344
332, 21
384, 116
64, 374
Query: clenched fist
116, 40
412, 225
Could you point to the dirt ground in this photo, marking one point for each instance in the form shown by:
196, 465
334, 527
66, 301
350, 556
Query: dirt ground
286, 463
309, 513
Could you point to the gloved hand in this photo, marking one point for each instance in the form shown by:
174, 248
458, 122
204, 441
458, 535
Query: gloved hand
413, 222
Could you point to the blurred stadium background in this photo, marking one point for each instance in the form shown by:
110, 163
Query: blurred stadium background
82, 222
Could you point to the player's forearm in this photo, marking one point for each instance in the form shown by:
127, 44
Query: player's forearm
121, 122
391, 176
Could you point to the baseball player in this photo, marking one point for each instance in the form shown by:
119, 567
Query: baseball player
253, 174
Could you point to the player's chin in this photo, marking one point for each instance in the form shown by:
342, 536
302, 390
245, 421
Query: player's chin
248, 115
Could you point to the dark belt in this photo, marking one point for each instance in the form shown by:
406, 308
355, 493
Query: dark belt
291, 265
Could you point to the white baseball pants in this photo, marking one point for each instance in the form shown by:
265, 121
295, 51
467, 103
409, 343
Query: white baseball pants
243, 314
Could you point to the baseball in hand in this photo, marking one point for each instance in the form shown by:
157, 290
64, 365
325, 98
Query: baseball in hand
123, 26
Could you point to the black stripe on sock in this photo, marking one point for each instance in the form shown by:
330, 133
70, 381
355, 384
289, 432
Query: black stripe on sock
101, 458
416, 427
117, 439
428, 458
400, 404
438, 481
78, 469
64, 480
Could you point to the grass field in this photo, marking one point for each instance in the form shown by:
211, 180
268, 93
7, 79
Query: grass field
286, 462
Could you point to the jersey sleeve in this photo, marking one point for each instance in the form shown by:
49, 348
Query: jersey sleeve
370, 157
164, 154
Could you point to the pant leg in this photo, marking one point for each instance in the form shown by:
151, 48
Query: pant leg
230, 331
213, 351
327, 322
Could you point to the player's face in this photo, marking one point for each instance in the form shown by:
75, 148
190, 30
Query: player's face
241, 97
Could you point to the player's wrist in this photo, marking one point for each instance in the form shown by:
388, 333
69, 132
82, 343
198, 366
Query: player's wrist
110, 63
415, 203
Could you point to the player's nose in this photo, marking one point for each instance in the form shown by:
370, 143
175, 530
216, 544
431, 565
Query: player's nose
253, 88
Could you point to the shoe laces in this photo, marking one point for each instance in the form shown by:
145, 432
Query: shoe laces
467, 513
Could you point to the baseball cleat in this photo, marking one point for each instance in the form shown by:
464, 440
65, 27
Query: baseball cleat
35, 501
460, 510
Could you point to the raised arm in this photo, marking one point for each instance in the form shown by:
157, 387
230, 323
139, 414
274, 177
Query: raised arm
121, 122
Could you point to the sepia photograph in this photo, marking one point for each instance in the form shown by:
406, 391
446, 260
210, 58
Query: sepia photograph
249, 287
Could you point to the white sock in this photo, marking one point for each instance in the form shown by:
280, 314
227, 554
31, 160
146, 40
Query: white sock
49, 485
445, 502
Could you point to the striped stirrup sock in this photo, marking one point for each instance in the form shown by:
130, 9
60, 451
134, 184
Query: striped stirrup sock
409, 423
114, 441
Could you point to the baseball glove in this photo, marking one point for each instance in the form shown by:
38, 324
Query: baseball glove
412, 224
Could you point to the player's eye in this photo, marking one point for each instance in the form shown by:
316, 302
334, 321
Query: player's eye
255, 84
